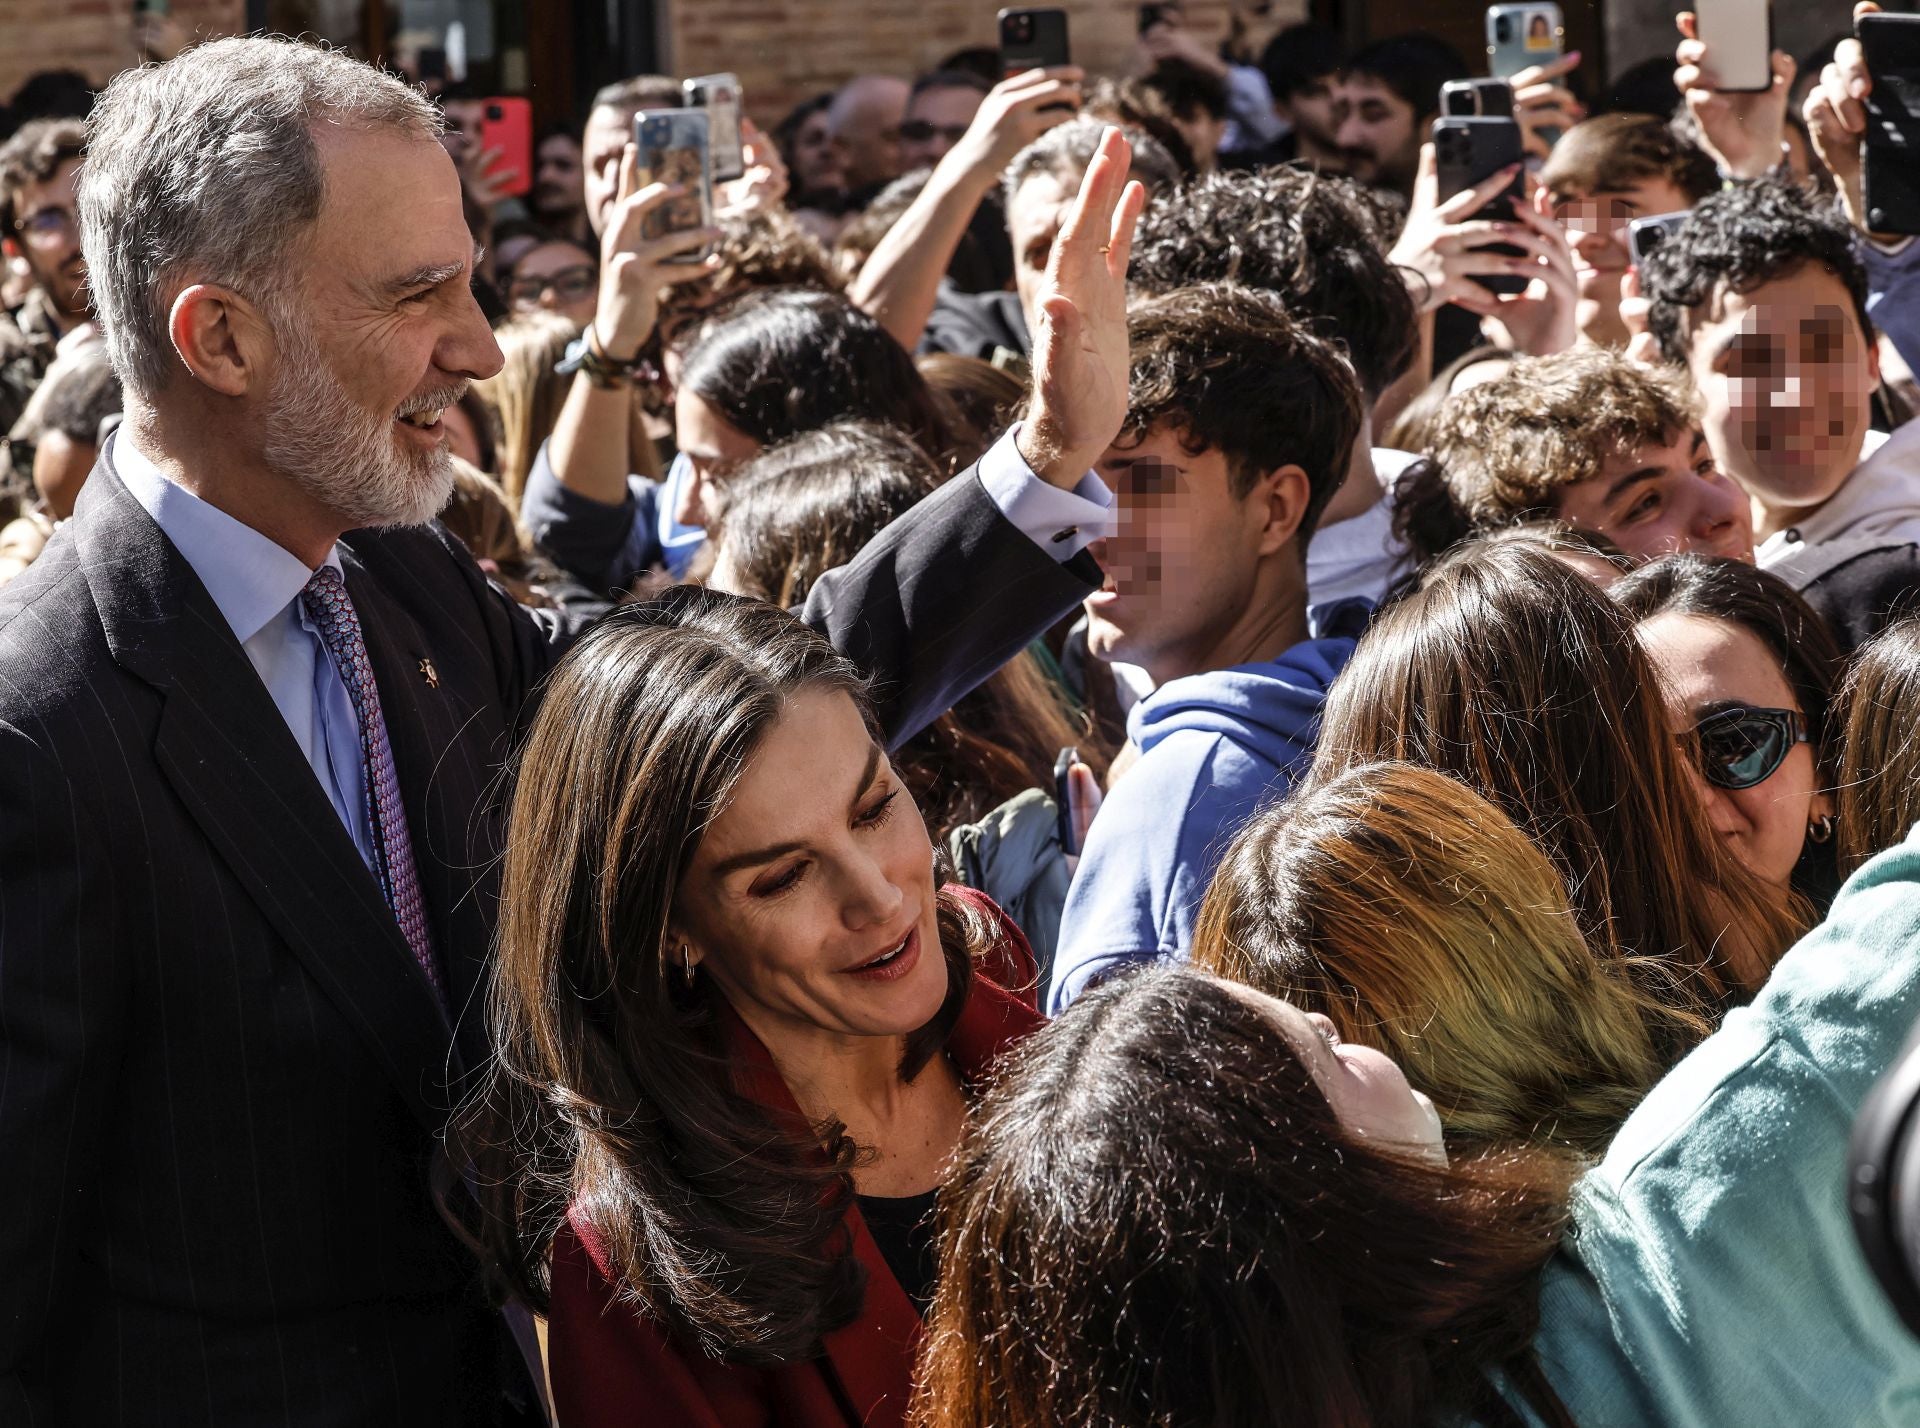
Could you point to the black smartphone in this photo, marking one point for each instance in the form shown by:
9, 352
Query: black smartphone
1646, 234
1033, 39
1468, 151
1151, 15
673, 149
1063, 798
1476, 99
1890, 168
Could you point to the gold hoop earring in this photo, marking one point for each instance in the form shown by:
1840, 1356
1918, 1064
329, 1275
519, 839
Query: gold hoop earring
1821, 829
686, 962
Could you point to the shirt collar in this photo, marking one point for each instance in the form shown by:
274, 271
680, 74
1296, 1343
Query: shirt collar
251, 578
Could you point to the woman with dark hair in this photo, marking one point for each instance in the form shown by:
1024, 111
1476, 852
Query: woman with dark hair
1877, 716
1188, 1202
800, 508
1415, 917
1749, 669
1512, 673
737, 1020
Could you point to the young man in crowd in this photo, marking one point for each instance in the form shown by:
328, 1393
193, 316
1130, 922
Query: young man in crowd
940, 106
1592, 439
38, 226
1240, 428
1313, 242
1602, 175
865, 117
1389, 97
559, 197
1197, 102
609, 130
1762, 297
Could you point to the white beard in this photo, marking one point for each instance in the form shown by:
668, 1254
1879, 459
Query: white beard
348, 459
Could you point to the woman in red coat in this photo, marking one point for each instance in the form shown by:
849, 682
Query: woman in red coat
739, 1022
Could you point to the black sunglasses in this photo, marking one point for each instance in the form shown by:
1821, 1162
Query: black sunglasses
1742, 746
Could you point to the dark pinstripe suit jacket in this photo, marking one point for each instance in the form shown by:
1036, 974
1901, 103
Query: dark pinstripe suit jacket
221, 1072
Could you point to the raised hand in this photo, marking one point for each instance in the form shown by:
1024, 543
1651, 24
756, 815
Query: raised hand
1837, 119
1441, 246
1543, 318
634, 268
1080, 363
763, 187
1543, 107
1743, 132
1015, 112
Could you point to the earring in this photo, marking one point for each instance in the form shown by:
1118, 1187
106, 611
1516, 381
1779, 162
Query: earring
686, 962
1821, 829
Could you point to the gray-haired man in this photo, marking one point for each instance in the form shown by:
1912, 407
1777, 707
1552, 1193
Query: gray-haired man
252, 705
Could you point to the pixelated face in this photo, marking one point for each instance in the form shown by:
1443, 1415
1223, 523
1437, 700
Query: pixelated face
1378, 133
1180, 565
1657, 499
1788, 376
1597, 230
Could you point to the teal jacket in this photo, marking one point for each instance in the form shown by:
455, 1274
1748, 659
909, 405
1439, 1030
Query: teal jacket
1711, 1276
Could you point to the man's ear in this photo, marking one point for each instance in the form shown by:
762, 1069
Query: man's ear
223, 339
1283, 495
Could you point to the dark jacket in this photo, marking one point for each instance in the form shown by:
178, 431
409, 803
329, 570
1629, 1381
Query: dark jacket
222, 1074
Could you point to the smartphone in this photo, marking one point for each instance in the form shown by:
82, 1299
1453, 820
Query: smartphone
1151, 15
1476, 98
1738, 35
672, 146
1063, 799
1646, 234
1522, 36
1890, 152
1469, 150
1033, 39
507, 125
719, 95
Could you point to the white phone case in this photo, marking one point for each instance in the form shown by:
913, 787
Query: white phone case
1738, 35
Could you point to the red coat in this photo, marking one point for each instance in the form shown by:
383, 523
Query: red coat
611, 1367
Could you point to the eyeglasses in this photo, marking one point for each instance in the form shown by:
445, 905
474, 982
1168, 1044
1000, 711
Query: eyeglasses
919, 131
1743, 746
569, 284
48, 225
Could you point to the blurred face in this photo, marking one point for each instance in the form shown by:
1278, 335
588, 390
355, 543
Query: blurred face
60, 469
1378, 133
810, 898
464, 118
1317, 109
712, 445
1366, 1088
866, 130
556, 277
936, 118
1707, 665
1203, 134
1787, 376
48, 238
1034, 217
558, 182
1655, 500
379, 336
1597, 229
816, 164
607, 135
1181, 564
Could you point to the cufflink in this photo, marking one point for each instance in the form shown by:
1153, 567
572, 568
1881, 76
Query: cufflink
1068, 534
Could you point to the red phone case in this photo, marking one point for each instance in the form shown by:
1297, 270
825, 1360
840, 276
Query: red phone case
507, 125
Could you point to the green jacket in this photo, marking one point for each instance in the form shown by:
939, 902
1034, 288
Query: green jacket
1712, 1275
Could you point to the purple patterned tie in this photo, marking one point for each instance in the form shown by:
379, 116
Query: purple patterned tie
331, 611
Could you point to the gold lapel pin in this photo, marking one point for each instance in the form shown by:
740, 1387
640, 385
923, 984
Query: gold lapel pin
430, 674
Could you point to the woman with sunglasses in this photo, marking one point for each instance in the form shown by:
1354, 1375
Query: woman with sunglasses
1748, 669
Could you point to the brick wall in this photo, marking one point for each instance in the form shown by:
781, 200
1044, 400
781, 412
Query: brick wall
92, 36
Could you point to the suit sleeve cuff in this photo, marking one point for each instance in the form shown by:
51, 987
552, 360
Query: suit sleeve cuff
1062, 523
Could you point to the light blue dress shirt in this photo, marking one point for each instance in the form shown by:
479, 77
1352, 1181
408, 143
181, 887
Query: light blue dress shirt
256, 584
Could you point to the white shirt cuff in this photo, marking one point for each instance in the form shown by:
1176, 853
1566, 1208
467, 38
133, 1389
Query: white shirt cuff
1062, 523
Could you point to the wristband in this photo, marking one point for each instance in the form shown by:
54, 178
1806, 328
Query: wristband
601, 370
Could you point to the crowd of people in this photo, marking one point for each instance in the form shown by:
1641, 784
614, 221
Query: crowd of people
1057, 775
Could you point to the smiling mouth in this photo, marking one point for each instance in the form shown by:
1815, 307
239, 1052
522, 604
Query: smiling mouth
895, 961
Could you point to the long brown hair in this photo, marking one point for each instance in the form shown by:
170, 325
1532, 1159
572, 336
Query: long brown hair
612, 1092
1157, 1218
1412, 913
1512, 673
1878, 707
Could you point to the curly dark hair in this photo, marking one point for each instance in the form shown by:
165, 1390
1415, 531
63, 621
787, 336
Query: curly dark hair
1311, 240
1230, 370
35, 155
1736, 241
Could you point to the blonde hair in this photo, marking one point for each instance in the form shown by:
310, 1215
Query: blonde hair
1878, 707
1412, 912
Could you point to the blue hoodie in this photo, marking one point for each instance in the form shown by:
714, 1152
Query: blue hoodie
1213, 747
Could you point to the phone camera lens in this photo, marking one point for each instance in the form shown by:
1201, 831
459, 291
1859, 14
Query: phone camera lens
1022, 28
495, 112
1503, 30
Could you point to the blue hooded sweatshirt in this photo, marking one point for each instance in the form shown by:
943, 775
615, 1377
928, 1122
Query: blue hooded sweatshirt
1213, 748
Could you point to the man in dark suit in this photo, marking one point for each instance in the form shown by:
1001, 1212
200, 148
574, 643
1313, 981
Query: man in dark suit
253, 708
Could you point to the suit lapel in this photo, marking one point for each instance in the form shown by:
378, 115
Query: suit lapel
227, 753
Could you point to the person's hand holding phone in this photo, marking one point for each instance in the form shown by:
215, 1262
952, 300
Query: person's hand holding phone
1080, 356
763, 187
1543, 318
1837, 119
1439, 250
1743, 132
634, 268
1015, 112
1170, 39
1542, 106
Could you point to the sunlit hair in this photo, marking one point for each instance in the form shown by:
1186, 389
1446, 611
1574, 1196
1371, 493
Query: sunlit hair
528, 393
1509, 671
1878, 712
612, 1090
1157, 1218
1412, 913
